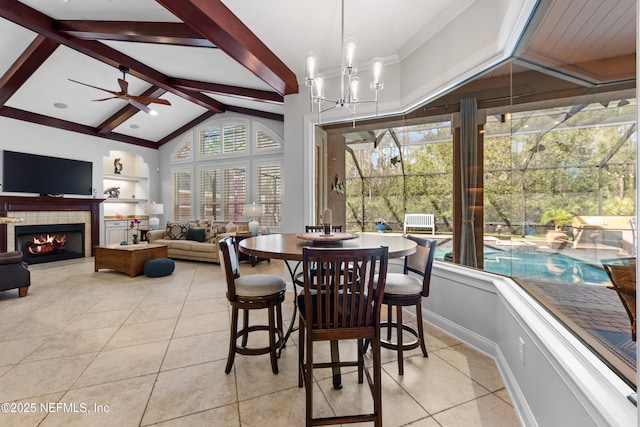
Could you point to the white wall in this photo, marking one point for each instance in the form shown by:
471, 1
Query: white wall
558, 381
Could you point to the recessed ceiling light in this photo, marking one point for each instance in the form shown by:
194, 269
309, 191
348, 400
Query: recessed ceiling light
60, 105
153, 112
134, 126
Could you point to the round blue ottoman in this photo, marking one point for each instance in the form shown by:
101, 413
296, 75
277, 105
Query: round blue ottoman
159, 267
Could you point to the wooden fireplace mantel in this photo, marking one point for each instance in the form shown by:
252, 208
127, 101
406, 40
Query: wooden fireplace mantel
39, 204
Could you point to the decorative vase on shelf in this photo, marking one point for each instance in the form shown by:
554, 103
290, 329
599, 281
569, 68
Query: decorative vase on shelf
135, 239
381, 227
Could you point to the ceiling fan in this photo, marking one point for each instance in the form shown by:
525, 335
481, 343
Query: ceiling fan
136, 101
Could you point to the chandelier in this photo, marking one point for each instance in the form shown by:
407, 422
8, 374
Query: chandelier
349, 82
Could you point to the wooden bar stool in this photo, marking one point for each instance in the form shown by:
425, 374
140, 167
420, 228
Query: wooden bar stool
252, 292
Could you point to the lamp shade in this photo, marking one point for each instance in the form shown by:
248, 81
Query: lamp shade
154, 208
252, 210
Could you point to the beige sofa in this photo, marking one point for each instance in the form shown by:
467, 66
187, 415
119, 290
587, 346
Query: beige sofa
178, 237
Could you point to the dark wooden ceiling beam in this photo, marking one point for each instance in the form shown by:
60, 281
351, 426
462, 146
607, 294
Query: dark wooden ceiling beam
185, 128
218, 24
33, 20
256, 113
174, 33
128, 111
235, 91
27, 116
27, 64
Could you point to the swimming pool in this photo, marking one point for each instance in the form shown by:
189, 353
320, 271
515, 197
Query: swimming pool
540, 266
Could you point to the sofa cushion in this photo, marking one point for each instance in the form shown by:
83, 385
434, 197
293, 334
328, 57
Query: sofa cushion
185, 245
231, 228
196, 234
203, 247
176, 230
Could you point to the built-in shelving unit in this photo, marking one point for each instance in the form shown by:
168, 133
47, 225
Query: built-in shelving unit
133, 186
132, 183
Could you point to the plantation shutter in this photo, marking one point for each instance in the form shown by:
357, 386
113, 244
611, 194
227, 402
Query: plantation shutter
264, 141
183, 152
181, 196
234, 194
210, 202
269, 193
234, 138
210, 142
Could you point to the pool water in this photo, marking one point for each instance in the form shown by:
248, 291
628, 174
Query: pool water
541, 266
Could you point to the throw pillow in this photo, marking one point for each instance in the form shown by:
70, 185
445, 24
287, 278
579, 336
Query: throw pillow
206, 225
231, 227
176, 230
195, 234
216, 230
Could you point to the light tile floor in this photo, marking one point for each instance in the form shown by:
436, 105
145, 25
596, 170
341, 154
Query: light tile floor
104, 349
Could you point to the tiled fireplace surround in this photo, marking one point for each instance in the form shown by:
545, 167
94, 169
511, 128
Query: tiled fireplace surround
50, 210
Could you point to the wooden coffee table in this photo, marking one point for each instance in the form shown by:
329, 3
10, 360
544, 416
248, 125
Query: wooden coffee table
128, 259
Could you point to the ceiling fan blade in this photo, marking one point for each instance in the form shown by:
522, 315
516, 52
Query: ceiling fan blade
105, 99
124, 85
95, 87
149, 100
139, 106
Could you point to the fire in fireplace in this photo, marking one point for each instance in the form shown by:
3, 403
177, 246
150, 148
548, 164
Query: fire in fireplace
52, 242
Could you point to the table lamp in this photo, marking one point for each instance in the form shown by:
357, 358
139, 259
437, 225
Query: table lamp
154, 209
253, 211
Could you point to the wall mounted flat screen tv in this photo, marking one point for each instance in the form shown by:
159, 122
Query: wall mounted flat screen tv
32, 173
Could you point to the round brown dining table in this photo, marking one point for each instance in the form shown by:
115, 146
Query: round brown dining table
288, 247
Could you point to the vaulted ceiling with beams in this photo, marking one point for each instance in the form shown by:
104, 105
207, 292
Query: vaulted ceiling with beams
206, 57
203, 57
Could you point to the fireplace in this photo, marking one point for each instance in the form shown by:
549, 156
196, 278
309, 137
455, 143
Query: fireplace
52, 242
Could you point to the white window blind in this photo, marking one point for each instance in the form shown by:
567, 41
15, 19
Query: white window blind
269, 193
235, 138
210, 197
228, 139
234, 193
264, 141
183, 152
182, 196
210, 142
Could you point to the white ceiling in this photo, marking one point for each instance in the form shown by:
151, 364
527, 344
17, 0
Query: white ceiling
289, 28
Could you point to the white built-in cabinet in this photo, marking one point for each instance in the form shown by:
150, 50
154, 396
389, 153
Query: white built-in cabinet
118, 231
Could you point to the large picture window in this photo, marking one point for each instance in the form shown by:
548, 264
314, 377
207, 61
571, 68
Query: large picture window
239, 162
559, 185
407, 169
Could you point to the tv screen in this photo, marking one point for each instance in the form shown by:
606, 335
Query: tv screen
32, 173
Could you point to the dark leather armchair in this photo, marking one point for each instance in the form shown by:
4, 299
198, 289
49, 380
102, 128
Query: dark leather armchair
14, 273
